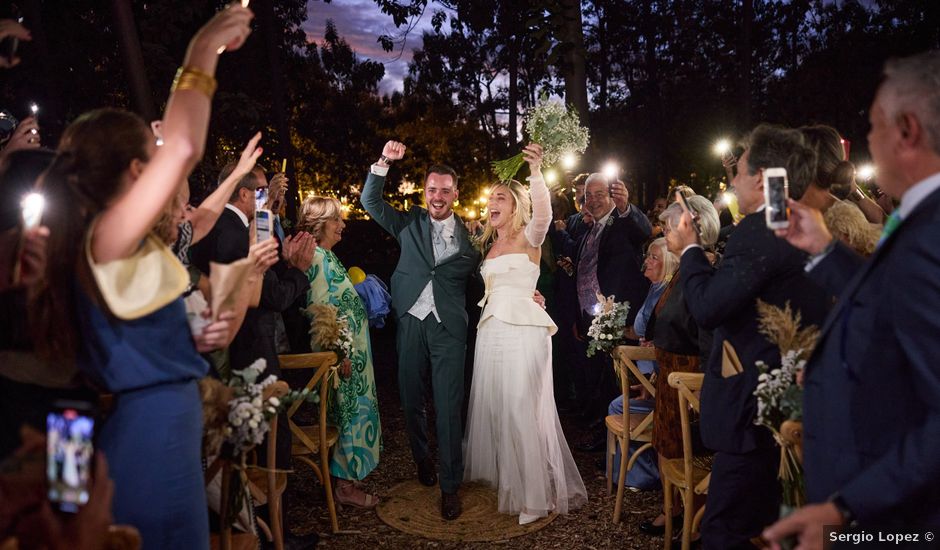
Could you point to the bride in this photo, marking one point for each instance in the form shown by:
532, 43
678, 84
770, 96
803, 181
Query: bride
514, 438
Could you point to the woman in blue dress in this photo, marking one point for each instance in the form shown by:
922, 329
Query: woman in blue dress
112, 296
355, 410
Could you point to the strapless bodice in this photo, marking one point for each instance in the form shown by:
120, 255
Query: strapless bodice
510, 284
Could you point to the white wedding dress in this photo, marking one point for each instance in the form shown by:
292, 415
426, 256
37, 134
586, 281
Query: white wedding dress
514, 439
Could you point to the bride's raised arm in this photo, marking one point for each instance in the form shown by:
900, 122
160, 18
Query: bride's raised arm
539, 195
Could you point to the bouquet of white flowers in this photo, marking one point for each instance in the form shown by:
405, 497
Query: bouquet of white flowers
779, 396
610, 321
237, 415
249, 417
556, 128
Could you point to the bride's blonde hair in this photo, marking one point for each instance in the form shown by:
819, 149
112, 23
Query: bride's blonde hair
520, 217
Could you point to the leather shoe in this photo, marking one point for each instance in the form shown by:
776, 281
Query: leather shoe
649, 528
450, 506
427, 473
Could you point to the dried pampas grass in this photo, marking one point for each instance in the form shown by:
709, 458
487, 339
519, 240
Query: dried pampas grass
782, 327
325, 329
215, 405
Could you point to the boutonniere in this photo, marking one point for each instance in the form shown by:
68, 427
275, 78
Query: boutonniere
609, 222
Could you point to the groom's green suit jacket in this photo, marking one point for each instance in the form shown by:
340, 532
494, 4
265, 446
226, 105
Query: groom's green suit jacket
416, 264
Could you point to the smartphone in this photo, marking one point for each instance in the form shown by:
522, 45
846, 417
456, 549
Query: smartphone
776, 192
70, 429
687, 208
32, 206
264, 224
261, 198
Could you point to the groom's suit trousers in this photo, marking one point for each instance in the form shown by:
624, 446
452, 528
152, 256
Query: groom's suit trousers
425, 347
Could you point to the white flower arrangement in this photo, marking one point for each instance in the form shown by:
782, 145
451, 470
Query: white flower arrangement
249, 416
779, 398
346, 340
553, 126
607, 328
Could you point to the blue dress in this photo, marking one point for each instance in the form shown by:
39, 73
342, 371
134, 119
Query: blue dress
152, 438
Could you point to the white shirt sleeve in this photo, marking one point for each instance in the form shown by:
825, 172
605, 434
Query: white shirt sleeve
541, 211
381, 171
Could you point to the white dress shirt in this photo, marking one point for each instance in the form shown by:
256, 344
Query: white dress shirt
241, 215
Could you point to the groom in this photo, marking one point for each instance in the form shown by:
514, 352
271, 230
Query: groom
428, 289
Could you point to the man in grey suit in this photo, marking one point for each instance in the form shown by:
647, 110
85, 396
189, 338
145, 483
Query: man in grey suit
428, 296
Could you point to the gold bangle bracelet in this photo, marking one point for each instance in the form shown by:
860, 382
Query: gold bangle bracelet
192, 79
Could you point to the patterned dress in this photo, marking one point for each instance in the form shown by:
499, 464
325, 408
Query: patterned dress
355, 410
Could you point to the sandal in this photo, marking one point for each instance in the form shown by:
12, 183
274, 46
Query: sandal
367, 501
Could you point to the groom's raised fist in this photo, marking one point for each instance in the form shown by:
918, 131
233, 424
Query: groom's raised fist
393, 150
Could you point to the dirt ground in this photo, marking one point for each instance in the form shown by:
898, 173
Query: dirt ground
588, 527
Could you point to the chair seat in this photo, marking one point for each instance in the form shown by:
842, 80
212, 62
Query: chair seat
674, 470
615, 424
312, 432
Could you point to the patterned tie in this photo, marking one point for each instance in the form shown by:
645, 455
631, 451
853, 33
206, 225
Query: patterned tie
442, 248
892, 223
588, 286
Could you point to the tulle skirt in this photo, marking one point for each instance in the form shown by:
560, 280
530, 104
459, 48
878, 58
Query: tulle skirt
514, 438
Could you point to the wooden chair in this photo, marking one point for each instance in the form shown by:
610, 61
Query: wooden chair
682, 473
266, 486
792, 433
315, 440
626, 427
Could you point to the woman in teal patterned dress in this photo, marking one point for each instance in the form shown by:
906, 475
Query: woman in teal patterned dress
355, 411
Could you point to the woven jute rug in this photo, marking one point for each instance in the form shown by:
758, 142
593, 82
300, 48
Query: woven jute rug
413, 508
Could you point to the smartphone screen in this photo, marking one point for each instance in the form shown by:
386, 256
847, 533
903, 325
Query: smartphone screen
263, 224
775, 189
261, 197
70, 454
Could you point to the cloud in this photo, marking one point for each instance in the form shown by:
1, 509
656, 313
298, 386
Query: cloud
360, 23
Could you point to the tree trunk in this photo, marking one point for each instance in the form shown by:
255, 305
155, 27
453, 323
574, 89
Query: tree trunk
744, 58
133, 59
573, 66
272, 38
604, 55
513, 93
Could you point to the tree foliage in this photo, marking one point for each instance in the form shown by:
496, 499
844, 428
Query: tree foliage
661, 80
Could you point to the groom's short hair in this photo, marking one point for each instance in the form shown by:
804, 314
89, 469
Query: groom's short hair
442, 169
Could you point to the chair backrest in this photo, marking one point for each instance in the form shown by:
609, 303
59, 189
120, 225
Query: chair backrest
324, 365
278, 389
625, 358
686, 383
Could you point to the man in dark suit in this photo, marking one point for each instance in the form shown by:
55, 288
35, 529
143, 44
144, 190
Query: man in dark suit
609, 261
282, 284
428, 296
871, 414
744, 494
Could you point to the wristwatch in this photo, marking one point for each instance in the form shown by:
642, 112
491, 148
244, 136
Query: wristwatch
385, 159
847, 516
